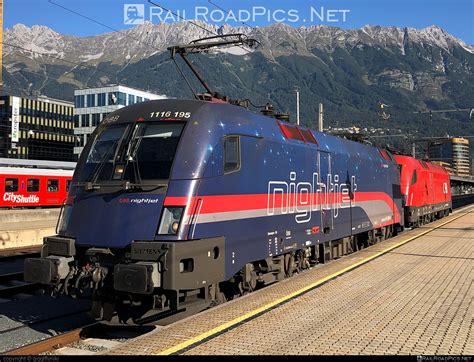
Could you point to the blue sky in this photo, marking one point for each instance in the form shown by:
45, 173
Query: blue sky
455, 16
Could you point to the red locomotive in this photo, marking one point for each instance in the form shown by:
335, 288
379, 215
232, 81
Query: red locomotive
33, 183
426, 190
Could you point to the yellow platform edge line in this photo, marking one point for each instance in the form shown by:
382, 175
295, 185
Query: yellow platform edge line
283, 299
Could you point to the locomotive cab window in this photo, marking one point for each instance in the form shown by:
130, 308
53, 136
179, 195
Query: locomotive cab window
32, 185
53, 185
153, 149
11, 185
135, 152
68, 185
231, 154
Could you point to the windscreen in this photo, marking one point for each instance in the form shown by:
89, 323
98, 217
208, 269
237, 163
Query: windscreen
102, 153
133, 152
152, 152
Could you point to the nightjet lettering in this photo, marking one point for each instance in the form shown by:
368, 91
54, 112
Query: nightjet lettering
302, 198
127, 200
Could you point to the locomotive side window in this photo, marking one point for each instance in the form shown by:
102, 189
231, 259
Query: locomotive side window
68, 185
53, 185
413, 178
11, 185
231, 154
32, 185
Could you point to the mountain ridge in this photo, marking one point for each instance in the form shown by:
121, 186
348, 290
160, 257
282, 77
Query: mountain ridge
158, 36
349, 70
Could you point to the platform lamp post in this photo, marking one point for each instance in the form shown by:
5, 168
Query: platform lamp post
297, 90
77, 143
29, 135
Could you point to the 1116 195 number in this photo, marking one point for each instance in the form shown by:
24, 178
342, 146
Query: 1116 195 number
168, 114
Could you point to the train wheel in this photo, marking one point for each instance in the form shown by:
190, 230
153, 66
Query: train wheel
289, 264
216, 295
362, 241
303, 257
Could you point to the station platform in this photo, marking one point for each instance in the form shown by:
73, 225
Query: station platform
409, 295
24, 228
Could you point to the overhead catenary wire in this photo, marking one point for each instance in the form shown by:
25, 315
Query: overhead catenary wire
182, 18
47, 73
215, 34
58, 58
118, 79
227, 12
116, 76
128, 35
191, 22
103, 24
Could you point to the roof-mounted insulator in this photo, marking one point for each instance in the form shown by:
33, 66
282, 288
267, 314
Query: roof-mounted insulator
267, 110
285, 117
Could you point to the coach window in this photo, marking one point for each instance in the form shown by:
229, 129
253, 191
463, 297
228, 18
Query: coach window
53, 185
68, 185
413, 178
231, 154
11, 185
32, 185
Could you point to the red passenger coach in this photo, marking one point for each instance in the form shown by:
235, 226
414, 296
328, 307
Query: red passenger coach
34, 183
426, 190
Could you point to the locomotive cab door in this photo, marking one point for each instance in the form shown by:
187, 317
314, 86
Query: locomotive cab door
325, 172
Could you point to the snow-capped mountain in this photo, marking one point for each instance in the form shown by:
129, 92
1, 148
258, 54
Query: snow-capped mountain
279, 39
350, 71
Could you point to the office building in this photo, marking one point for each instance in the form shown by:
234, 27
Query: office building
453, 151
91, 105
38, 128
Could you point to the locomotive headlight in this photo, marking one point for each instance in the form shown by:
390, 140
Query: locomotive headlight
170, 220
174, 226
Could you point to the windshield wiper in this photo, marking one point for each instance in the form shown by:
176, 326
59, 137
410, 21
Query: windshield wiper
92, 185
139, 187
131, 156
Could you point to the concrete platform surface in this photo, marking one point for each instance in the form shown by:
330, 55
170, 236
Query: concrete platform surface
26, 227
411, 294
25, 215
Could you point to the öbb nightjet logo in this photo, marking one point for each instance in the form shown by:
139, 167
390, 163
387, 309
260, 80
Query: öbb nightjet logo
133, 14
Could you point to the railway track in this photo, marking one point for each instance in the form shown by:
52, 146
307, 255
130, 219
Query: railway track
19, 253
11, 272
93, 338
12, 284
78, 320
51, 343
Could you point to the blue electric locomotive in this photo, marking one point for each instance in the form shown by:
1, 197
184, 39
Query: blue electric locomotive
178, 202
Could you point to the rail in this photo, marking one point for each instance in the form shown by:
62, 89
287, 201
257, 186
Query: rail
54, 342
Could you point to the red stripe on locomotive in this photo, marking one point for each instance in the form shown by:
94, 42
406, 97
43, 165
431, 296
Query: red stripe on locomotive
246, 202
